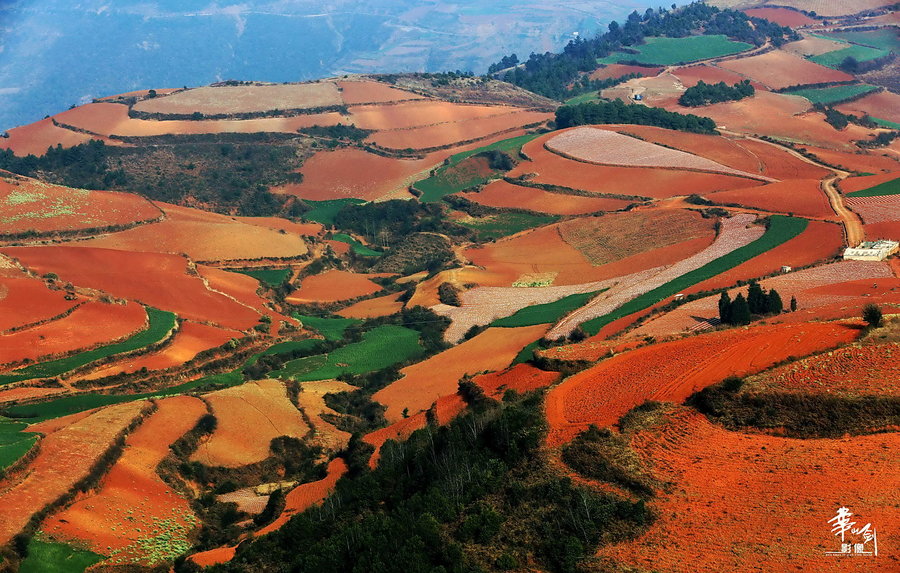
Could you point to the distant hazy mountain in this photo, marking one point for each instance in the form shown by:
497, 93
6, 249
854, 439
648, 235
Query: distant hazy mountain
55, 53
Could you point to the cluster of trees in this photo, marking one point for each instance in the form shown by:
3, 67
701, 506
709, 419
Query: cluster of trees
339, 131
704, 93
388, 222
618, 112
839, 120
757, 303
551, 74
504, 63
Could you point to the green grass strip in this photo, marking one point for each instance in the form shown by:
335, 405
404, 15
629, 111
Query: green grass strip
379, 348
663, 51
505, 224
14, 442
160, 323
47, 557
891, 187
324, 211
525, 354
545, 313
859, 53
833, 94
885, 123
886, 38
781, 229
356, 246
270, 277
330, 328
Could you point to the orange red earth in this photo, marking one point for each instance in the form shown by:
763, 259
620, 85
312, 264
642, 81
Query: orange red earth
333, 286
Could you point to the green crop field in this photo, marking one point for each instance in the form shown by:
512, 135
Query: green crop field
885, 39
379, 348
505, 224
885, 123
324, 211
270, 277
160, 323
14, 443
669, 51
47, 557
442, 184
781, 229
583, 98
526, 353
834, 94
860, 53
891, 187
545, 313
330, 328
357, 247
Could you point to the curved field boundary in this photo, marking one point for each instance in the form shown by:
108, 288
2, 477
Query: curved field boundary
835, 95
781, 229
160, 324
545, 313
887, 188
14, 443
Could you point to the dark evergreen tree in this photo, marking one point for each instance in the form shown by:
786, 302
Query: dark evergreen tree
756, 298
740, 310
793, 304
872, 315
725, 308
773, 302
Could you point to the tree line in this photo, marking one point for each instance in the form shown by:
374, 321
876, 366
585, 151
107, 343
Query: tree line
705, 94
597, 113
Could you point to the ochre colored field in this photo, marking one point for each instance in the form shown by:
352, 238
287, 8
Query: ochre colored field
159, 280
28, 204
618, 70
307, 495
506, 195
778, 69
830, 8
211, 100
447, 134
132, 503
279, 224
249, 416
521, 378
188, 340
883, 105
91, 324
25, 300
607, 147
619, 235
238, 286
112, 119
803, 197
373, 307
312, 401
672, 371
779, 164
35, 138
690, 75
333, 286
782, 16
204, 237
553, 169
357, 92
65, 456
813, 46
874, 161
425, 382
789, 489
419, 113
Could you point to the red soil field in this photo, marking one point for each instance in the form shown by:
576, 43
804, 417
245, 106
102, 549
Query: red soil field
419, 113
878, 209
373, 307
25, 300
333, 286
448, 134
506, 195
875, 161
279, 224
307, 495
244, 99
602, 394
65, 457
159, 280
717, 148
338, 247
112, 119
618, 70
240, 287
132, 501
853, 184
803, 197
29, 204
138, 93
35, 138
521, 378
203, 237
872, 369
780, 164
883, 105
425, 382
881, 230
91, 324
249, 417
188, 340
690, 75
778, 69
26, 393
357, 92
213, 556
789, 489
781, 16
657, 183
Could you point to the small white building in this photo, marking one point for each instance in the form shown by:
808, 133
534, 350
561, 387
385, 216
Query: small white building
872, 250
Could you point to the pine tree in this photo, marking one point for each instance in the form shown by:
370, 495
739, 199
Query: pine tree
725, 308
740, 310
872, 315
773, 302
793, 304
756, 298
